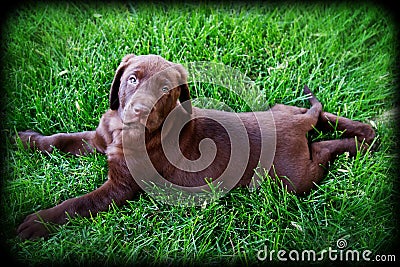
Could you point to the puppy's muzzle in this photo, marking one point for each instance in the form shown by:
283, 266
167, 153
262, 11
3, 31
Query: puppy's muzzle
137, 113
140, 110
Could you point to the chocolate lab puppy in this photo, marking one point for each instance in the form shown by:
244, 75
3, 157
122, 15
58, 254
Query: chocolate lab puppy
150, 114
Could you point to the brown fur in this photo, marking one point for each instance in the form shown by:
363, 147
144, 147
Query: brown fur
131, 99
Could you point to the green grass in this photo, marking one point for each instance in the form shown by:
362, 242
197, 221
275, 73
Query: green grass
58, 64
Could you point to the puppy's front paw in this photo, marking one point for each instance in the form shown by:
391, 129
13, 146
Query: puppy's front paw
28, 138
33, 140
33, 227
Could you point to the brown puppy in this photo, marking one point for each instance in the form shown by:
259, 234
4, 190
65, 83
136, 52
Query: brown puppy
146, 90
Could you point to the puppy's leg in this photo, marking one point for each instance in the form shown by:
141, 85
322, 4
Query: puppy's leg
321, 154
329, 122
350, 128
119, 187
74, 143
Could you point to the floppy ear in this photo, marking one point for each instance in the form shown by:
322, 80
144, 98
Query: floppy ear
184, 98
114, 100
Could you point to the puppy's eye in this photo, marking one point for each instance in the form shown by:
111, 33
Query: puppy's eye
132, 79
165, 89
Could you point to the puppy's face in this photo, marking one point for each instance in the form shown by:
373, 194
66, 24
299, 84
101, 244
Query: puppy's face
146, 89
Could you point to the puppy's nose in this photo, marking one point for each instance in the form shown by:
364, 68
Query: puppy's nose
140, 110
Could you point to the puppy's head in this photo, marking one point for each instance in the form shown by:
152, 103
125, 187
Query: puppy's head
147, 88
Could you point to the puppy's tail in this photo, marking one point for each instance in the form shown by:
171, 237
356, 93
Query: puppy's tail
316, 106
313, 100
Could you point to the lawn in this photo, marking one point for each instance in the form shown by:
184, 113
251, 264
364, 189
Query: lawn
58, 63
